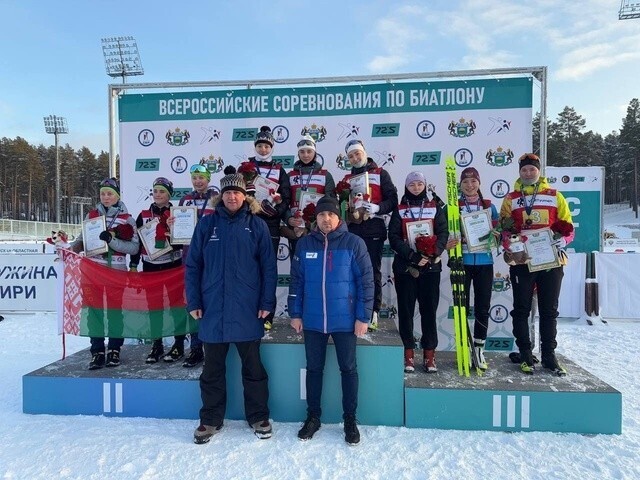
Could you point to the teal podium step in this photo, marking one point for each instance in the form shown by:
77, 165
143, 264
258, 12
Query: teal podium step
505, 399
164, 390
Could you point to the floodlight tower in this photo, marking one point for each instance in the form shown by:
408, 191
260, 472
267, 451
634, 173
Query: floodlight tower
628, 9
56, 126
121, 57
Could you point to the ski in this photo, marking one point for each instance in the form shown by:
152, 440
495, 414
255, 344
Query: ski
464, 343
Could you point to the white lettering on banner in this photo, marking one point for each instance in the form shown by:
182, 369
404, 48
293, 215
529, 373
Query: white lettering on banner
187, 106
328, 101
574, 211
426, 97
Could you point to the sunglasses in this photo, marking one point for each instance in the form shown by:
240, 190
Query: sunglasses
306, 143
165, 182
197, 168
110, 182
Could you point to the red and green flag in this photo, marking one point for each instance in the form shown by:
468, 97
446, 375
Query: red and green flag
104, 302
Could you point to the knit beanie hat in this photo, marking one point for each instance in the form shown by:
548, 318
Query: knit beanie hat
307, 142
111, 184
414, 177
234, 181
529, 159
327, 204
165, 184
264, 136
354, 145
469, 172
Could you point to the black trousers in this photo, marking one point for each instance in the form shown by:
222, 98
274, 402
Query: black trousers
213, 383
548, 286
426, 290
482, 277
375, 246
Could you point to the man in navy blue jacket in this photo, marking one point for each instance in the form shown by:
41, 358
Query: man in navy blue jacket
230, 282
331, 294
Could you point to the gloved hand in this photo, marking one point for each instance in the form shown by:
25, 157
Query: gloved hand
372, 208
559, 243
106, 236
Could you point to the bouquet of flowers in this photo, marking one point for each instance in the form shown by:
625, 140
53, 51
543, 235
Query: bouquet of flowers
309, 214
249, 171
561, 228
343, 191
162, 229
123, 232
426, 245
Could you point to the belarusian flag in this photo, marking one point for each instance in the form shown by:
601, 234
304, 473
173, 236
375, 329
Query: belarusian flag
104, 302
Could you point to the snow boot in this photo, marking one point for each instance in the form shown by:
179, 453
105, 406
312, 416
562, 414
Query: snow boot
550, 362
526, 362
175, 353
309, 428
351, 432
204, 433
157, 350
430, 361
262, 429
97, 361
113, 358
196, 356
408, 360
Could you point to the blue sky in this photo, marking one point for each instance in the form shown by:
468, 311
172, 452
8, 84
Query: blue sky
52, 63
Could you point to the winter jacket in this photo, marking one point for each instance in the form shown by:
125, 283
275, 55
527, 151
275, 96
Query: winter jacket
309, 177
115, 215
231, 274
383, 194
165, 259
548, 207
274, 171
331, 281
405, 256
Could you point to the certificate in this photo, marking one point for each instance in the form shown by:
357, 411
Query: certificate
543, 255
359, 184
91, 230
185, 220
147, 233
417, 228
476, 227
263, 186
309, 197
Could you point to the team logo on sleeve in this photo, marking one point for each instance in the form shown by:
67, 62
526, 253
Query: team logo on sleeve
462, 128
177, 137
500, 157
318, 133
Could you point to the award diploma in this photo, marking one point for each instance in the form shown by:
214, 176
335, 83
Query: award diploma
543, 255
476, 227
309, 197
147, 233
91, 230
417, 228
359, 184
185, 220
263, 185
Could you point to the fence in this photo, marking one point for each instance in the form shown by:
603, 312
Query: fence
27, 230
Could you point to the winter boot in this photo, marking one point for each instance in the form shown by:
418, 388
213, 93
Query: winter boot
196, 356
430, 361
262, 429
408, 360
157, 350
204, 433
175, 353
373, 326
310, 427
526, 362
97, 361
550, 362
113, 358
478, 345
351, 433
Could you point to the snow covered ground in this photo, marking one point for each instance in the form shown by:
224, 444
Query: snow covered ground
88, 447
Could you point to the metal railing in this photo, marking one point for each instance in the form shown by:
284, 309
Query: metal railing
28, 230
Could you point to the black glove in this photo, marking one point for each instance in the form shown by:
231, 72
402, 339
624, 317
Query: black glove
106, 236
415, 258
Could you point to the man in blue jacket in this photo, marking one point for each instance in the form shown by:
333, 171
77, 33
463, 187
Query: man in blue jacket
230, 282
331, 294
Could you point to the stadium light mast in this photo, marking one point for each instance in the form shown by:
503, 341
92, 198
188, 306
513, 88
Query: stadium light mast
628, 10
56, 126
121, 59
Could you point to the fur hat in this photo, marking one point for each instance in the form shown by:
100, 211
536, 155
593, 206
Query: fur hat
165, 184
307, 142
234, 181
529, 159
327, 204
469, 172
414, 177
264, 136
111, 184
